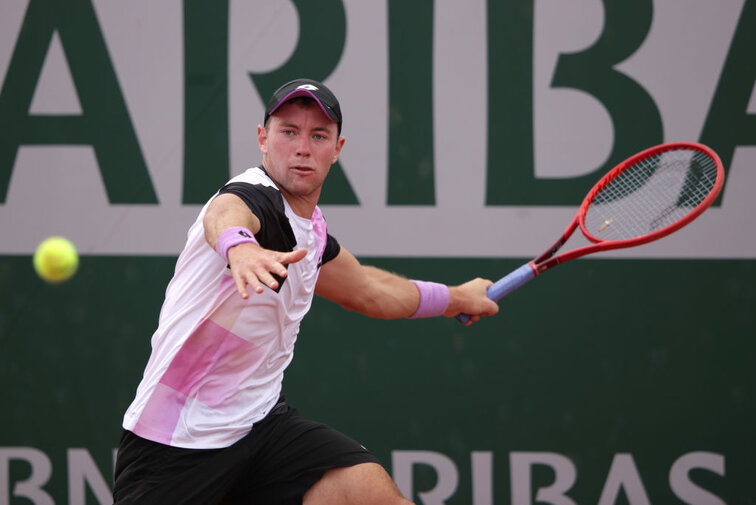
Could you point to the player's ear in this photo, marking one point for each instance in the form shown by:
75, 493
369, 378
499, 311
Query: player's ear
339, 146
262, 138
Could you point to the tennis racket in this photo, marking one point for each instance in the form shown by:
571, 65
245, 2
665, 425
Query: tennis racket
644, 198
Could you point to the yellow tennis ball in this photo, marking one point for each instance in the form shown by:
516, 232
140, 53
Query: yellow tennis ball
56, 259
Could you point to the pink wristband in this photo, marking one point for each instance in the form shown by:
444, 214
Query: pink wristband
233, 236
434, 299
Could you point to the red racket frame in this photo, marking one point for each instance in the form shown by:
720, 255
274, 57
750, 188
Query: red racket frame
548, 260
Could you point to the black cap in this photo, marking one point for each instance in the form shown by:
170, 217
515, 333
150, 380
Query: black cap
306, 87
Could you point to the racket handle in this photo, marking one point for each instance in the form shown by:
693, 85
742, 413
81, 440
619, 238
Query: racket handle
501, 288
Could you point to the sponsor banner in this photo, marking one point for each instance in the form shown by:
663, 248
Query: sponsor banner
480, 123
623, 478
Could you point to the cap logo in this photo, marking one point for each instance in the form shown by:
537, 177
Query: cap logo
308, 87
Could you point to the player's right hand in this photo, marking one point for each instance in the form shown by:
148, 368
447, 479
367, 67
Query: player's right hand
470, 298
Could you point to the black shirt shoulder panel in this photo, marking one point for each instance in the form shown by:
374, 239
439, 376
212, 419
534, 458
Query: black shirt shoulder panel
266, 202
332, 250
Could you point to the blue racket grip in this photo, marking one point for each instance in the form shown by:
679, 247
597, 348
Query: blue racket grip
501, 288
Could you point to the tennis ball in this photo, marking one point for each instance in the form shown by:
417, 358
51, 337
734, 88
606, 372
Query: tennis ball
56, 259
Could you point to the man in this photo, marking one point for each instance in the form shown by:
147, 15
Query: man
209, 423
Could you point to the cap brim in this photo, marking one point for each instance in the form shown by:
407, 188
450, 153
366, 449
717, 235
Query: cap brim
303, 92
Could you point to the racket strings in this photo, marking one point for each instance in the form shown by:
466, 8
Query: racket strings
651, 194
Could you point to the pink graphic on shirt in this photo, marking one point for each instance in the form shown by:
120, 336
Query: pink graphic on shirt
209, 367
320, 230
211, 353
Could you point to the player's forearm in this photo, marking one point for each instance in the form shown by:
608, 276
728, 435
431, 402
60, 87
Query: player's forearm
224, 212
385, 295
388, 296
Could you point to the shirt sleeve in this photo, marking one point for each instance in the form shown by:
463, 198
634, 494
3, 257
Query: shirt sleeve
332, 249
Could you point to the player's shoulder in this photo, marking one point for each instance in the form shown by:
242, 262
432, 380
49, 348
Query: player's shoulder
258, 191
254, 176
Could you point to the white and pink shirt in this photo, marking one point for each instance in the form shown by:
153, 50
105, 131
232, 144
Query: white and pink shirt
218, 360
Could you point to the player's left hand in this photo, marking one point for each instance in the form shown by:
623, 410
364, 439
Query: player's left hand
254, 266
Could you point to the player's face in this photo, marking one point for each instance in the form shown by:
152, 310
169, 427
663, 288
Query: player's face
299, 146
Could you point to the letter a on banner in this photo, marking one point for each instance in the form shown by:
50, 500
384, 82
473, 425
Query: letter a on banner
104, 123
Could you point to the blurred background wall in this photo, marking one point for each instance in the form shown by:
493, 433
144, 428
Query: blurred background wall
473, 131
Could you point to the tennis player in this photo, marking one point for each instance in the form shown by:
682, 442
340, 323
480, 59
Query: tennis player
209, 423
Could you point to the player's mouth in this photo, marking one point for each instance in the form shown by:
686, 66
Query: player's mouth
303, 169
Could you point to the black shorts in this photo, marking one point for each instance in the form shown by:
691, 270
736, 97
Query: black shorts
277, 462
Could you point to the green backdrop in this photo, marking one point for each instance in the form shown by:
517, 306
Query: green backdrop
651, 358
